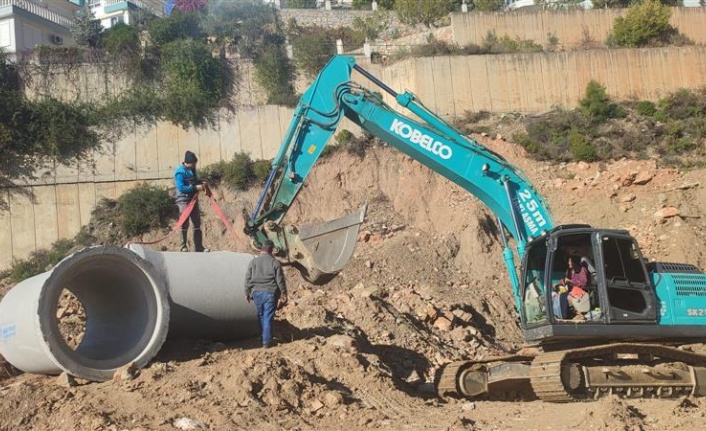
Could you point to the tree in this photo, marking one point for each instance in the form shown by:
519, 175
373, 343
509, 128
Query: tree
597, 105
488, 5
176, 26
85, 28
254, 28
643, 24
274, 73
313, 48
372, 25
193, 82
427, 12
122, 43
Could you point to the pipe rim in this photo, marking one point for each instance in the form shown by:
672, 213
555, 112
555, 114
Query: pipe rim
148, 345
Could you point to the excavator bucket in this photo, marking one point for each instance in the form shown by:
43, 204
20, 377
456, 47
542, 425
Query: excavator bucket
320, 251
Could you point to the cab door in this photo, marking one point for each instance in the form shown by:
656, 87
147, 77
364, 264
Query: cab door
629, 294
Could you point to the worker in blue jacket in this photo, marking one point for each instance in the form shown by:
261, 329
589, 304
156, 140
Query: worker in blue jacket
187, 185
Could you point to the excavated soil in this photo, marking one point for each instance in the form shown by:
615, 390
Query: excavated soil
426, 286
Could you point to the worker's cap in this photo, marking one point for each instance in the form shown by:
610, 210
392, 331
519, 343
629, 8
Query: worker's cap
268, 245
190, 157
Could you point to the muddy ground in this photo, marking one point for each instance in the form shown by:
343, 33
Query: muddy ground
426, 286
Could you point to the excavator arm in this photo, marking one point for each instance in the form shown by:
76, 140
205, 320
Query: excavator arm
521, 211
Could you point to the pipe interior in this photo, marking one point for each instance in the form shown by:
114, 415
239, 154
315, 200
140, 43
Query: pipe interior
120, 305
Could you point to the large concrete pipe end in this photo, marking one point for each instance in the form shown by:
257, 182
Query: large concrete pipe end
126, 315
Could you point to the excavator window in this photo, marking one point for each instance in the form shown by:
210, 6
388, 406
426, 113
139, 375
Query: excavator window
534, 291
622, 261
625, 275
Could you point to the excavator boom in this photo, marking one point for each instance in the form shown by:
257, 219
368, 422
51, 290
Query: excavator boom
429, 139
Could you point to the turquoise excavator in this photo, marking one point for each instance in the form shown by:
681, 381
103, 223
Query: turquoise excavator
638, 312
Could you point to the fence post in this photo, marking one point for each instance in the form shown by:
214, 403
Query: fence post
327, 4
339, 46
367, 50
464, 6
374, 5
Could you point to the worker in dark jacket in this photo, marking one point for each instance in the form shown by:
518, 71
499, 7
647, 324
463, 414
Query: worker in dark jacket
187, 185
265, 286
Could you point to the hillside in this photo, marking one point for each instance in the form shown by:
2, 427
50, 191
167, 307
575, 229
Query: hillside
427, 285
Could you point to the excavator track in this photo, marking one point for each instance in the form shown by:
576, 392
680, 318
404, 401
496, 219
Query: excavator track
447, 381
499, 378
624, 369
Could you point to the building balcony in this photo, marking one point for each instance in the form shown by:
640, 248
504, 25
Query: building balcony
12, 7
100, 7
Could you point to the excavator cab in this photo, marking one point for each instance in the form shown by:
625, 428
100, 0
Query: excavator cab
618, 286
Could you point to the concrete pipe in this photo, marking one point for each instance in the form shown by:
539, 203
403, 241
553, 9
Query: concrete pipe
206, 292
126, 308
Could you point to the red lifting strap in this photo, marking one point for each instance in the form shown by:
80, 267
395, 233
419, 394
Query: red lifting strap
221, 215
185, 215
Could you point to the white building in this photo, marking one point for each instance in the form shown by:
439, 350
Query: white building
26, 24
111, 12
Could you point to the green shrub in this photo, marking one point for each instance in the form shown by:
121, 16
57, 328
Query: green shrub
176, 26
429, 13
488, 5
474, 117
552, 42
661, 116
344, 137
680, 145
193, 83
53, 128
144, 208
580, 148
528, 144
312, 50
506, 44
371, 26
274, 73
314, 46
138, 105
261, 170
41, 260
238, 173
684, 104
597, 105
646, 108
121, 40
646, 22
352, 144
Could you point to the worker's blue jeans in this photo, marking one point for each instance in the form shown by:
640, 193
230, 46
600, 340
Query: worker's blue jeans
266, 304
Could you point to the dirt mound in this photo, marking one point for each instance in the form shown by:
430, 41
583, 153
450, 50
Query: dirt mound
426, 286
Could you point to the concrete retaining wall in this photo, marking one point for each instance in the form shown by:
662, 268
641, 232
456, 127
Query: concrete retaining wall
572, 28
536, 82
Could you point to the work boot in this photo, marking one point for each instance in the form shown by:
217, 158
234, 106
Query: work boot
198, 241
184, 243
